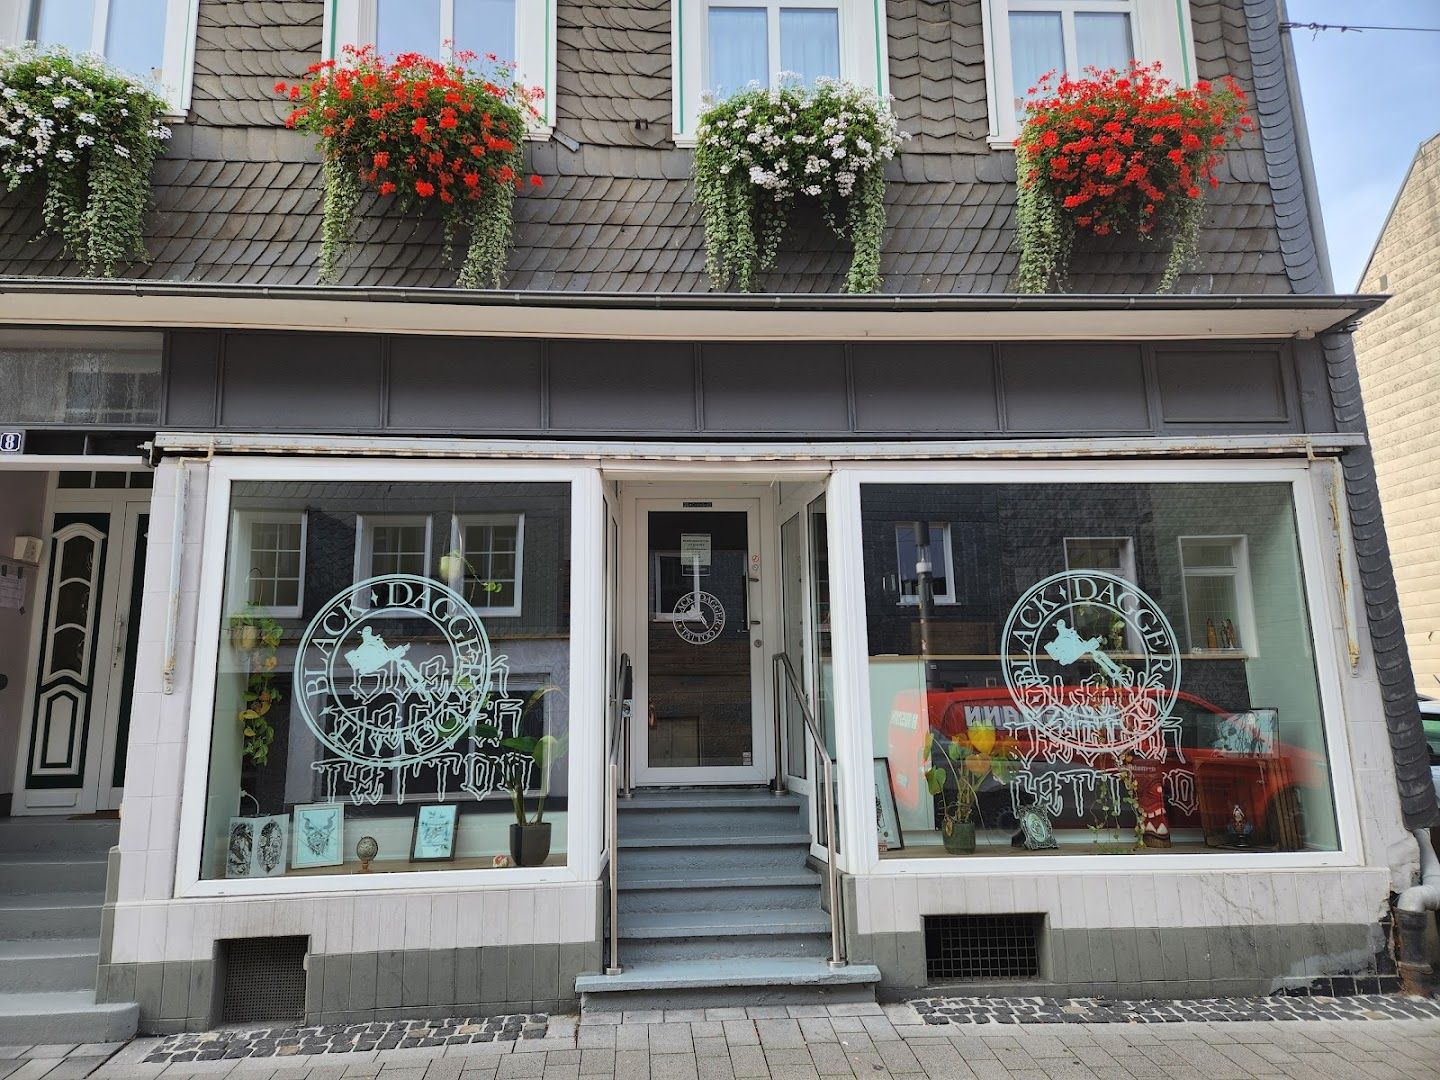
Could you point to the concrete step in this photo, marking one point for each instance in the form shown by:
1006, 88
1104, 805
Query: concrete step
50, 915
801, 892
64, 1018
706, 814
725, 947
54, 835
713, 856
692, 935
692, 984
47, 964
35, 872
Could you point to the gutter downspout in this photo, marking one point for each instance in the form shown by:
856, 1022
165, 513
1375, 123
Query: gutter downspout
1412, 912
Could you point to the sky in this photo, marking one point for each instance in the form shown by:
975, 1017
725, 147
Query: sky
1371, 98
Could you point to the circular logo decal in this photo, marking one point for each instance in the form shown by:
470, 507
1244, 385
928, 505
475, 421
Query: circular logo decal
393, 670
699, 617
1093, 665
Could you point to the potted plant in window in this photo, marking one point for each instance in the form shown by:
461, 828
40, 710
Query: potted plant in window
529, 756
963, 762
257, 639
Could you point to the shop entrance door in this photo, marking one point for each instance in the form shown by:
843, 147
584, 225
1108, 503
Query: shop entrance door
700, 693
77, 714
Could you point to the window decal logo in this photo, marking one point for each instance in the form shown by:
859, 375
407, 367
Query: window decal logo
392, 676
699, 617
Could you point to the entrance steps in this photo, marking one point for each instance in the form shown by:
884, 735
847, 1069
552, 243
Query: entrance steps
52, 887
718, 907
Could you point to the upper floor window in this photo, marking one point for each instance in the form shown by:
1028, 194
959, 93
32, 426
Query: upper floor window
726, 45
521, 32
152, 40
1025, 39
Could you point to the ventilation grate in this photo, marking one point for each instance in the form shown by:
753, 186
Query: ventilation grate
264, 979
960, 948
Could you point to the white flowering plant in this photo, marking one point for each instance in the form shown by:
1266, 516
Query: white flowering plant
760, 151
85, 135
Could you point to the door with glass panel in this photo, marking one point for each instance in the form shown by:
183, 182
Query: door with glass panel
701, 658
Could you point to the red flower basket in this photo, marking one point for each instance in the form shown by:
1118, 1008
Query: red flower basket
1119, 152
423, 133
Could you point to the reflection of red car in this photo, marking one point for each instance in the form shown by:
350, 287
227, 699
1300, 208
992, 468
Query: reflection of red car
1215, 762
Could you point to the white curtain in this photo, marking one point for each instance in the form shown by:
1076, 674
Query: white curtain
810, 42
403, 26
739, 49
66, 22
1102, 40
1037, 45
486, 27
135, 36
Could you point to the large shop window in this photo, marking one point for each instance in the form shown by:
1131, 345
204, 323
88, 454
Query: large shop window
372, 713
1125, 668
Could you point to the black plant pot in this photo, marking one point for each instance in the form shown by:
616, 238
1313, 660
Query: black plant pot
530, 844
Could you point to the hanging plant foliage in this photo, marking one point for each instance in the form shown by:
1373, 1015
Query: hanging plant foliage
761, 151
85, 135
1118, 153
423, 133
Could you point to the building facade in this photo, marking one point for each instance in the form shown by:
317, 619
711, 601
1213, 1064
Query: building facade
1083, 600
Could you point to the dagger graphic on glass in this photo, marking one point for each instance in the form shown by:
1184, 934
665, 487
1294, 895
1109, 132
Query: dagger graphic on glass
372, 656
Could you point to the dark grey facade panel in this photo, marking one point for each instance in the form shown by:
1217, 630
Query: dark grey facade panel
319, 383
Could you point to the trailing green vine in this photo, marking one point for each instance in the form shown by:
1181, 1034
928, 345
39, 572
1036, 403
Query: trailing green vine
760, 151
257, 638
86, 135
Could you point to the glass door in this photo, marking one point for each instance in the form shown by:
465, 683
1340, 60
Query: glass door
703, 649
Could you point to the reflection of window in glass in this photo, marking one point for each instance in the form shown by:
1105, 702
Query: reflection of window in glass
493, 550
758, 42
393, 545
1217, 592
271, 560
1114, 555
937, 559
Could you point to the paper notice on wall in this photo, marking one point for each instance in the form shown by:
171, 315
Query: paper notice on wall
694, 549
12, 588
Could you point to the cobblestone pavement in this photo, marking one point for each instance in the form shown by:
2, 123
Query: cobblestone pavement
864, 1042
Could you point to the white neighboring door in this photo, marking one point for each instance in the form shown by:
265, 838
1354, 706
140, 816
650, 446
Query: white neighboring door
76, 719
695, 582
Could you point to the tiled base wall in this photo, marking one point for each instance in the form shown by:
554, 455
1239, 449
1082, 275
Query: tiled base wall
355, 987
1194, 961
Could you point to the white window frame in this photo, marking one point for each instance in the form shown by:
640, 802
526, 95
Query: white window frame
1244, 597
242, 532
352, 22
365, 539
585, 700
458, 522
1127, 553
178, 58
864, 50
947, 553
1159, 30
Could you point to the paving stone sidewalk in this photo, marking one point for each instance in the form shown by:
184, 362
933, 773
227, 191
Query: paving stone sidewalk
861, 1042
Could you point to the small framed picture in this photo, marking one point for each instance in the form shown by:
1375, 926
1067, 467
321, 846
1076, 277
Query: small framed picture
1036, 830
257, 846
435, 832
887, 820
319, 831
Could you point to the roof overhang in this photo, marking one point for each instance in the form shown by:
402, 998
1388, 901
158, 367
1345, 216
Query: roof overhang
686, 317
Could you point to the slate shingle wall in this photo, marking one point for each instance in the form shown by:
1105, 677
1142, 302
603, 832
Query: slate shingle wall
238, 196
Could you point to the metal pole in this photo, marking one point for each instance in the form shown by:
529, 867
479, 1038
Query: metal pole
611, 824
837, 944
777, 786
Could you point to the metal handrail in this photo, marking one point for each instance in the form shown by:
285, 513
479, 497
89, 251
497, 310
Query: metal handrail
617, 772
826, 799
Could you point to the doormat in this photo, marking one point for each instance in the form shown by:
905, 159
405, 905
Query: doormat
1036, 1010
291, 1040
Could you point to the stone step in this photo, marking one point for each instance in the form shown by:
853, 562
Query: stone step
54, 835
713, 855
50, 915
798, 891
670, 924
67, 1017
47, 964
691, 984
725, 946
36, 872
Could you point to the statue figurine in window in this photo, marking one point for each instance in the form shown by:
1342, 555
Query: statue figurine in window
1154, 818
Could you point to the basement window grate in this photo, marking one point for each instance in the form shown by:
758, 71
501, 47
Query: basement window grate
264, 979
959, 948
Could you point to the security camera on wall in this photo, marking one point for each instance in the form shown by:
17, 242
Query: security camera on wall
28, 549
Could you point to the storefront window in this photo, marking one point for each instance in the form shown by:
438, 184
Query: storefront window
1114, 668
393, 675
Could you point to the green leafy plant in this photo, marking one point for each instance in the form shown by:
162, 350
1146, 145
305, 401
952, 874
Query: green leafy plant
424, 133
86, 135
1111, 802
1118, 152
760, 151
258, 638
543, 750
966, 760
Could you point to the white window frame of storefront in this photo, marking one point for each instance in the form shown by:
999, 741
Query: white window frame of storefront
854, 735
587, 673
